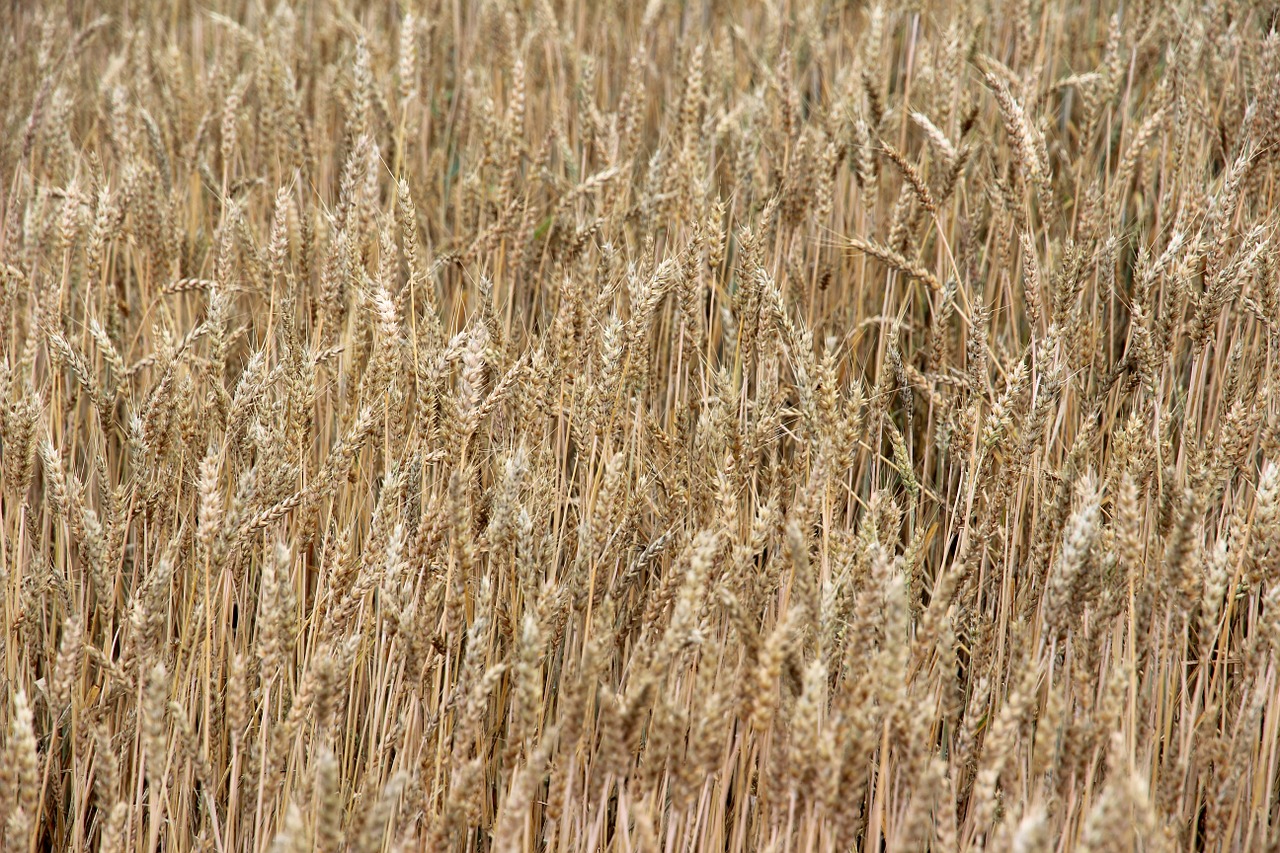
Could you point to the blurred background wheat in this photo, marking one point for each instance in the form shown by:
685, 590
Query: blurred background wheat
552, 425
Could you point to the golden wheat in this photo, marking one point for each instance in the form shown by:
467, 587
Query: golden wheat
573, 426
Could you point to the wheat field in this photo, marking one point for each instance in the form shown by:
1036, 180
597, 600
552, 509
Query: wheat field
558, 425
